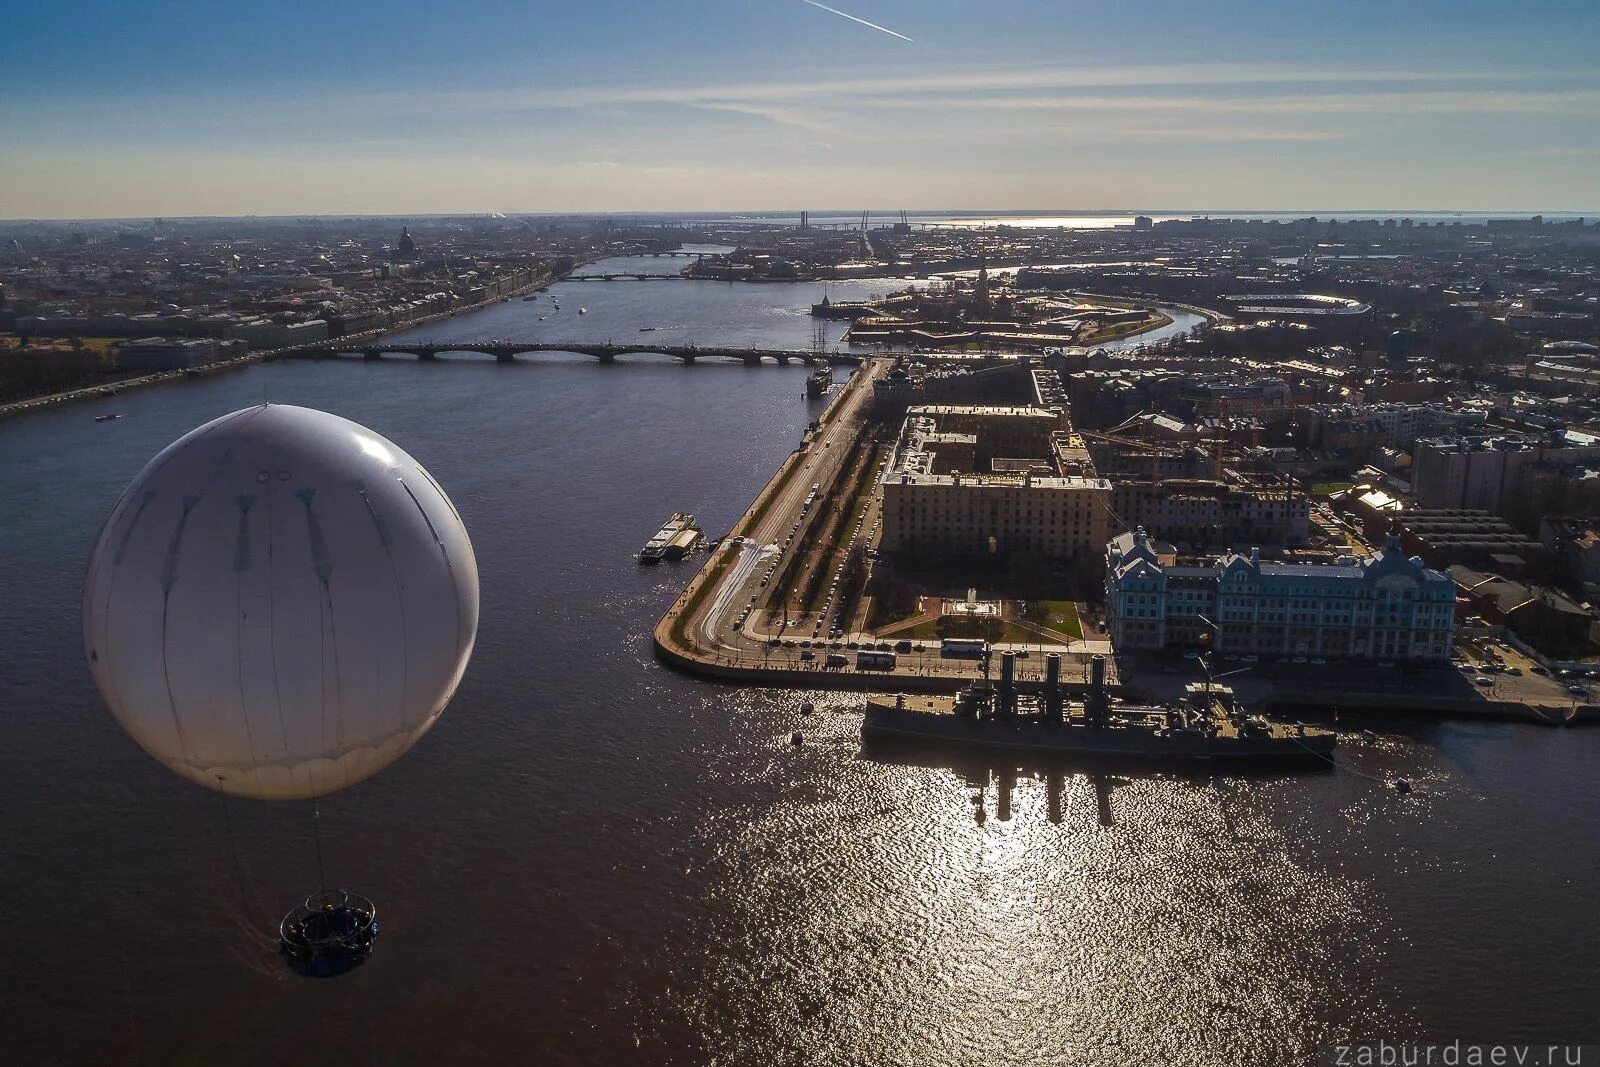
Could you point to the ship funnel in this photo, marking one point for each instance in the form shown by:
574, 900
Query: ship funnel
1097, 687
1008, 683
1052, 686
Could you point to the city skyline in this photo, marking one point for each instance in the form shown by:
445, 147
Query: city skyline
406, 109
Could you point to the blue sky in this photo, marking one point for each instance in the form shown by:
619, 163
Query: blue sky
188, 107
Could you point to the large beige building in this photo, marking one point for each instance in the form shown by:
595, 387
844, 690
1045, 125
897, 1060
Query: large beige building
975, 481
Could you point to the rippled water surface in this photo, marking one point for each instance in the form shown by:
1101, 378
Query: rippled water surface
593, 859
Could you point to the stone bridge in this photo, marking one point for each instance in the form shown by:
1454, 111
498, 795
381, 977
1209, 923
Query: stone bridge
508, 351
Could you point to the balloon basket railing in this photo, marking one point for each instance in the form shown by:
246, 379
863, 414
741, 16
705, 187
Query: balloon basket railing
329, 934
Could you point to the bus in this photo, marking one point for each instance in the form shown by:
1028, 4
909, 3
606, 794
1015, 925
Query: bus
963, 648
874, 661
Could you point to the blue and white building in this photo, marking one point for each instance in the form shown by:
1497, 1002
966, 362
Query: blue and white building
1382, 608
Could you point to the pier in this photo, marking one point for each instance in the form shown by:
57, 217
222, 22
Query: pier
607, 352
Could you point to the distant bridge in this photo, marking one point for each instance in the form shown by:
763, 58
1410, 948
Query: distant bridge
623, 277
508, 351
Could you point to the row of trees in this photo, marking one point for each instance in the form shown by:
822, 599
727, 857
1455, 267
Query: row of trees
30, 371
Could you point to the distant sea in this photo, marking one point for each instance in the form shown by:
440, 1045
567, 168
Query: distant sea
1104, 220
970, 219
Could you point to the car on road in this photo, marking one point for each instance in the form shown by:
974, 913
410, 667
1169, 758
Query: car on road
1540, 670
806, 643
808, 655
1319, 661
902, 646
1576, 690
1485, 682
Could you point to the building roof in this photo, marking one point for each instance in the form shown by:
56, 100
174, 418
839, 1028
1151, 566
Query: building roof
1509, 595
1131, 555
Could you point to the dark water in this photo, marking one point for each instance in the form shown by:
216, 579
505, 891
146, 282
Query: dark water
593, 859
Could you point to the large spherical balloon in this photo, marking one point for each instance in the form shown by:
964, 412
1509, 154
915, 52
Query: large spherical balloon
281, 603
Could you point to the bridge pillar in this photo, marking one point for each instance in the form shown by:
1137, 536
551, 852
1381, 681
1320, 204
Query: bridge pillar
428, 355
371, 354
752, 361
688, 360
506, 357
606, 357
783, 360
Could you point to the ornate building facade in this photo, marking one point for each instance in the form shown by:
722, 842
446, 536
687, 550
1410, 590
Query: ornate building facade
1387, 607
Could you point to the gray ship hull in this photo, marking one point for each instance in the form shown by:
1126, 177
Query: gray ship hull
1036, 735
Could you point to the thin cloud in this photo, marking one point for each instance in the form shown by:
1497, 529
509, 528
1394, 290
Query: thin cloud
783, 116
864, 22
1420, 102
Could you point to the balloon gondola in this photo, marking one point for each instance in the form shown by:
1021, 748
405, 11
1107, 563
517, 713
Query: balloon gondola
280, 605
329, 934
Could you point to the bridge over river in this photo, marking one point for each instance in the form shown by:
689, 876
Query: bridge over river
626, 277
508, 351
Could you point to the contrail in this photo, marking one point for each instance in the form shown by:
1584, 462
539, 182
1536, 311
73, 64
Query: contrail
864, 22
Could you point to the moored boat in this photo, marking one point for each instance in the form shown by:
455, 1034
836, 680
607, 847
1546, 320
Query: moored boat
675, 538
1207, 723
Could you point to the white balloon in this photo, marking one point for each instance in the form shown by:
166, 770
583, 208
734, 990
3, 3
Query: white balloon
281, 603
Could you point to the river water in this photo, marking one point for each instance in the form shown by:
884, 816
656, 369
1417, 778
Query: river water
594, 859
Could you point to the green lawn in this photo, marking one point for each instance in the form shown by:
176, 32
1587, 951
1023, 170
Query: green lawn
1062, 617
1329, 488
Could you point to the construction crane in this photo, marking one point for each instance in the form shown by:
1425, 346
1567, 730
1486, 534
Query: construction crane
1141, 449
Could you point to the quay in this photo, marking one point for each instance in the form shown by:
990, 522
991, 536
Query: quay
724, 627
